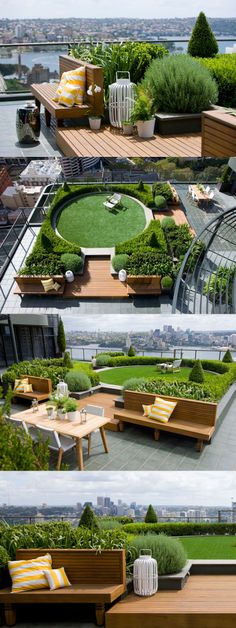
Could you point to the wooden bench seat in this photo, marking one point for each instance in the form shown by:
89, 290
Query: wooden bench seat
42, 388
45, 92
29, 284
143, 284
196, 419
96, 578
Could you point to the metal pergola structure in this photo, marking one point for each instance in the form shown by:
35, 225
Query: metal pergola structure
206, 283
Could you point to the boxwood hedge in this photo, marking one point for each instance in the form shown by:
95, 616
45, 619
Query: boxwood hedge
145, 240
180, 529
223, 70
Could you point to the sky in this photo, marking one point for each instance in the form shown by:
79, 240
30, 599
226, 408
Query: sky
105, 8
162, 487
132, 322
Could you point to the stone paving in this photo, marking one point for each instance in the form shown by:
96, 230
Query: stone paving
10, 147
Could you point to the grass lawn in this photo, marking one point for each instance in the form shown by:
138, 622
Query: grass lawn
120, 374
210, 547
88, 223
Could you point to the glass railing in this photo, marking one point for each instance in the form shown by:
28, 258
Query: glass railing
22, 64
221, 516
85, 353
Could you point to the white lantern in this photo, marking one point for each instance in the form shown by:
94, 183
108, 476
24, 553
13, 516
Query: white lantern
62, 389
145, 574
121, 99
122, 275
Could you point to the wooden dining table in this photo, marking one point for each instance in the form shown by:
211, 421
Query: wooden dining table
201, 195
74, 429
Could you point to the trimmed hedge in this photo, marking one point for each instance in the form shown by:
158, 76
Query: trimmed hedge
162, 189
223, 70
148, 262
72, 262
120, 261
38, 368
169, 552
77, 381
142, 241
180, 529
188, 390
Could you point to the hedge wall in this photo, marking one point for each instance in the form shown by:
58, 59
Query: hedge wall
180, 529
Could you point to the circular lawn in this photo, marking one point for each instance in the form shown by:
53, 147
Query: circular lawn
120, 374
85, 221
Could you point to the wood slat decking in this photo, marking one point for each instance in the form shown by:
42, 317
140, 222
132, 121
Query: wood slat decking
205, 602
96, 282
109, 142
218, 134
106, 400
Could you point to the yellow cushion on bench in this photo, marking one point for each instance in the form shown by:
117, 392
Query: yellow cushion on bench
29, 575
28, 388
162, 409
73, 78
57, 578
47, 284
20, 384
68, 95
56, 286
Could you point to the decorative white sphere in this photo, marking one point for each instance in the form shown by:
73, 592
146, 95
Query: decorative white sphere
122, 275
69, 276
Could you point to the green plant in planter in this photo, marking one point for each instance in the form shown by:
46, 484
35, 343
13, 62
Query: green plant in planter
197, 373
77, 381
168, 552
202, 42
160, 201
70, 405
119, 261
57, 402
142, 109
227, 357
72, 262
166, 282
177, 84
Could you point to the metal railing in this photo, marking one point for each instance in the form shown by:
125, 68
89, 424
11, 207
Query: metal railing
221, 516
84, 354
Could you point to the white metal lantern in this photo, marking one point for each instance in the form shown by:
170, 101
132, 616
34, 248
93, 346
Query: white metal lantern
121, 99
145, 574
62, 389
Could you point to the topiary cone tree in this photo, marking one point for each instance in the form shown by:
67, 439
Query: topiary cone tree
197, 373
88, 519
227, 357
131, 352
150, 515
61, 338
202, 42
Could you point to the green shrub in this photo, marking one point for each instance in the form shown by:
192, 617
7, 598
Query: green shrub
180, 529
208, 365
67, 361
169, 388
223, 71
195, 256
61, 338
102, 359
151, 516
179, 239
119, 261
71, 262
77, 381
162, 189
177, 84
141, 186
88, 519
109, 524
168, 552
166, 282
38, 368
197, 373
150, 263
160, 202
142, 108
4, 556
219, 286
66, 187
227, 357
112, 354
88, 370
142, 241
42, 265
202, 42
131, 352
167, 223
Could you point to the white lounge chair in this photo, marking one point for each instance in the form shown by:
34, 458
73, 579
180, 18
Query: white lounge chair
97, 411
113, 201
61, 444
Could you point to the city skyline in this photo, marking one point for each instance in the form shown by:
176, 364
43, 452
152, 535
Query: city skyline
104, 9
131, 322
18, 488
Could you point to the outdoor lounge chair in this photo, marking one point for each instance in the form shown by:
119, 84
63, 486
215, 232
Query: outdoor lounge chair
97, 411
113, 201
170, 367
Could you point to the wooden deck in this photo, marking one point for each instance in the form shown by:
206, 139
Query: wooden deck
175, 212
110, 142
205, 602
106, 400
96, 282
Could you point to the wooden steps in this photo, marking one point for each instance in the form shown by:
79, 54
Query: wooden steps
96, 282
204, 602
110, 142
106, 400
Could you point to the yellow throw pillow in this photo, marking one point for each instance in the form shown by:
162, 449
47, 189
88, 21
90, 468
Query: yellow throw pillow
162, 409
47, 284
74, 78
57, 578
20, 384
56, 286
147, 410
28, 575
28, 388
68, 95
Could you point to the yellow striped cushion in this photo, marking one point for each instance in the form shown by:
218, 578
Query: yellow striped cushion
27, 575
73, 78
20, 384
68, 95
28, 388
162, 409
147, 410
57, 578
48, 284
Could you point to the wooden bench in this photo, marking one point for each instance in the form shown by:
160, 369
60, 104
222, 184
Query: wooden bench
45, 92
96, 578
143, 284
196, 419
31, 284
42, 388
218, 134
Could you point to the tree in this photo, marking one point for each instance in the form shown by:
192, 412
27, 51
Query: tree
61, 338
150, 515
197, 373
88, 519
202, 42
141, 186
227, 357
66, 187
67, 362
131, 352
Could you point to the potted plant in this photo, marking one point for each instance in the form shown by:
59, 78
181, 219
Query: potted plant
71, 409
59, 404
50, 408
127, 127
142, 116
94, 121
166, 284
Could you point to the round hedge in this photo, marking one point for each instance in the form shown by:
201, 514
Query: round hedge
167, 222
77, 381
166, 282
160, 201
168, 552
120, 261
72, 262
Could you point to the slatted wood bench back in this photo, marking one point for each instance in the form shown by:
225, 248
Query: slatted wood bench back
190, 410
84, 566
39, 384
94, 75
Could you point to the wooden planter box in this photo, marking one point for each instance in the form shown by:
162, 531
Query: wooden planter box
178, 123
143, 284
218, 134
